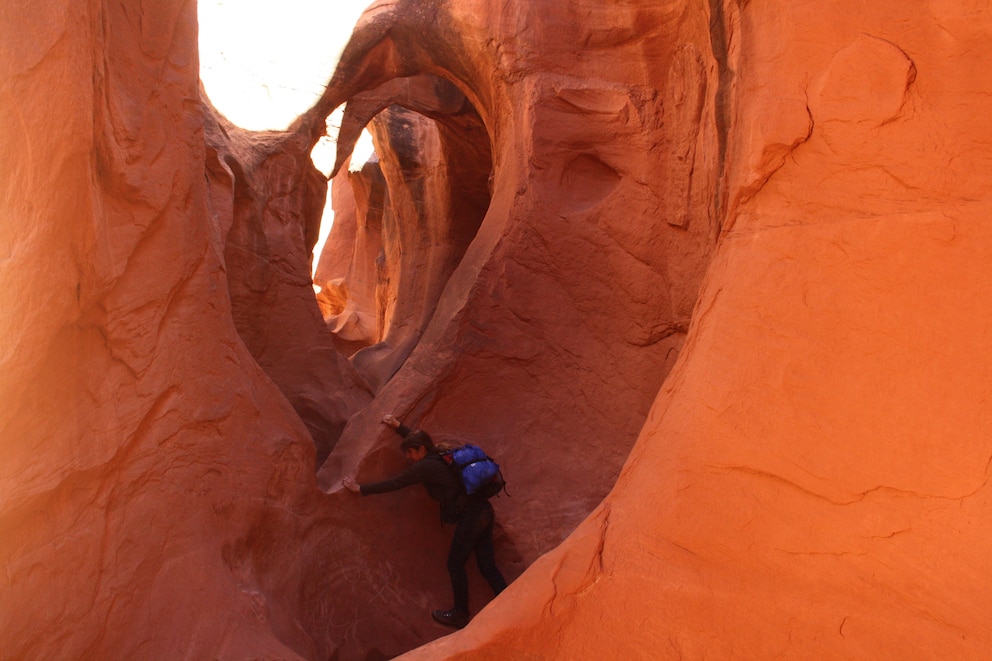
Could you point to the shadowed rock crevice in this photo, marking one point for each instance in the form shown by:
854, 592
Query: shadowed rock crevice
275, 197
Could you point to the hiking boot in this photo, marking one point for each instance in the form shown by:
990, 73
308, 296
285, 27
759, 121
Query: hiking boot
454, 619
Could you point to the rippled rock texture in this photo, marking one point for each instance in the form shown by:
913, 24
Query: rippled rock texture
709, 279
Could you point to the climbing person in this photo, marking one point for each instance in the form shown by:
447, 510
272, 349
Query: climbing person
471, 515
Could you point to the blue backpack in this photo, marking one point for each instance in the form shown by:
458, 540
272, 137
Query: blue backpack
480, 475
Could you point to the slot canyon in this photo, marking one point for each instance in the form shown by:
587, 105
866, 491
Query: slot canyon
708, 278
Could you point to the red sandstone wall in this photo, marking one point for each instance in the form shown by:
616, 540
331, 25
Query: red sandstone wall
811, 481
137, 459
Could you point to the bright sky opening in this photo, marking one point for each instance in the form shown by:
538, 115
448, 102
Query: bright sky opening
263, 64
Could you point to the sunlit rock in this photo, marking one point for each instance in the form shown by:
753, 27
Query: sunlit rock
709, 279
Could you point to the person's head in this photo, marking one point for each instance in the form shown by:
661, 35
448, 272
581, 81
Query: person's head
417, 445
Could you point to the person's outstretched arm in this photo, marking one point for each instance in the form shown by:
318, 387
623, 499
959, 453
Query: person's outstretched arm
385, 486
398, 426
418, 473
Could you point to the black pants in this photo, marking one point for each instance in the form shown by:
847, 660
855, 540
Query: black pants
473, 532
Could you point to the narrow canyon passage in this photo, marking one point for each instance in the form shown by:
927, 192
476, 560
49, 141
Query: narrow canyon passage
709, 278
458, 281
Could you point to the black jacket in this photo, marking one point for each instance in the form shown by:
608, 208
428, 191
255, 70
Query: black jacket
437, 477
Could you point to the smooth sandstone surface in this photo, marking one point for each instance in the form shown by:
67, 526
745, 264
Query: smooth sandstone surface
142, 447
785, 201
813, 480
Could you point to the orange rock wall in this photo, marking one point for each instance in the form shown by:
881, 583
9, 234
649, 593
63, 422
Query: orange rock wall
137, 456
807, 184
159, 489
813, 480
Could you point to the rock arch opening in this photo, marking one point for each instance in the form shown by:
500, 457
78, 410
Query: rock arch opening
403, 219
554, 332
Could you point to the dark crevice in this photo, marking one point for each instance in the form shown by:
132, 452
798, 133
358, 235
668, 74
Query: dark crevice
719, 44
